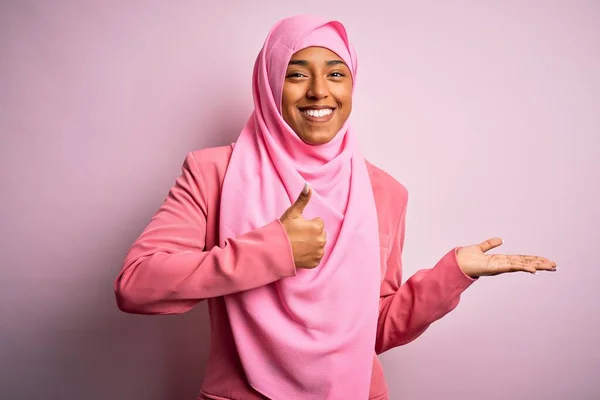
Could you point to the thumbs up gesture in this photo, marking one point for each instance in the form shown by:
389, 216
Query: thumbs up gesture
306, 236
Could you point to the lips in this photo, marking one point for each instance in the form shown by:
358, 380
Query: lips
317, 113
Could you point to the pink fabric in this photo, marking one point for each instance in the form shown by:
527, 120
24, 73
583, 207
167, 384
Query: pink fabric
176, 263
310, 336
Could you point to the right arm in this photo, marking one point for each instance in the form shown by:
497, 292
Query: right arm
168, 269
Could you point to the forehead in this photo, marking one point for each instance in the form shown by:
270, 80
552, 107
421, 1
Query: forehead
315, 54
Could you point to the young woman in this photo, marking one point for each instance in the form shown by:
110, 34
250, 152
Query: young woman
295, 240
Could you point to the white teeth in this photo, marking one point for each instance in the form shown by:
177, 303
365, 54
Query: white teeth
318, 113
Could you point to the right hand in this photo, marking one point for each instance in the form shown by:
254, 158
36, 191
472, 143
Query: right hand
306, 236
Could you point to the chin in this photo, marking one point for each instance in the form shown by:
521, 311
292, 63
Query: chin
317, 137
317, 140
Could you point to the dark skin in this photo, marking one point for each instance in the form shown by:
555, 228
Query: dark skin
316, 102
316, 78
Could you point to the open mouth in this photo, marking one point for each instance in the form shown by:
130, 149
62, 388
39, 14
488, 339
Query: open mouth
320, 114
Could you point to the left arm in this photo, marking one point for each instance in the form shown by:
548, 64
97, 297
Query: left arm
406, 310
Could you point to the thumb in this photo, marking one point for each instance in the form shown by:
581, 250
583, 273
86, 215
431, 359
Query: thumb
490, 244
301, 202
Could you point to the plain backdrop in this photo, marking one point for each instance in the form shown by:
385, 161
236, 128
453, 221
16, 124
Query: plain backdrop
487, 111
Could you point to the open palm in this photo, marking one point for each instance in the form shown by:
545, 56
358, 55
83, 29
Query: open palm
474, 262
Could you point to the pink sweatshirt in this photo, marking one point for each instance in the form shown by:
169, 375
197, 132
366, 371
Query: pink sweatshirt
176, 263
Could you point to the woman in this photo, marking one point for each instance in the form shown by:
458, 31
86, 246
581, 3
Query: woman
282, 234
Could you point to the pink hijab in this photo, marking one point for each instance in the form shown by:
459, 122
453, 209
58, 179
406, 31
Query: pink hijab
311, 336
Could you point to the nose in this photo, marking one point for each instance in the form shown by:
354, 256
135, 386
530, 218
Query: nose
317, 88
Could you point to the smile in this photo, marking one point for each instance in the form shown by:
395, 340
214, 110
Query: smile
321, 115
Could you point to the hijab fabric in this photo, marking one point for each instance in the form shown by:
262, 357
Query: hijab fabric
310, 336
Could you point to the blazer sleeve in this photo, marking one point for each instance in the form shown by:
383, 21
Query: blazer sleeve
407, 310
168, 269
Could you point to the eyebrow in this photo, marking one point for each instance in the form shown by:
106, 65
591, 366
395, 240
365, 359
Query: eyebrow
305, 63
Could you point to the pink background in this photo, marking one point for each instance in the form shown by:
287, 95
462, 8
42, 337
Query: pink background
488, 111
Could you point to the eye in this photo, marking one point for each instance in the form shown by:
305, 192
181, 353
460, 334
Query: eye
337, 75
295, 75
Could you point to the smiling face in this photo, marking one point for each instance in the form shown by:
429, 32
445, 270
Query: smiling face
317, 95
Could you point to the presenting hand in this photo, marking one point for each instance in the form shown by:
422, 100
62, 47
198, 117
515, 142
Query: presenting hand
306, 236
474, 262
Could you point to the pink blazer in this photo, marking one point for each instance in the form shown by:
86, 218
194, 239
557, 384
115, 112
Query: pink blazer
176, 263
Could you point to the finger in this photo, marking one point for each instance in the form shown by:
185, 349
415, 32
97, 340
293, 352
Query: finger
515, 263
540, 263
547, 263
543, 264
319, 224
322, 239
301, 202
490, 244
506, 264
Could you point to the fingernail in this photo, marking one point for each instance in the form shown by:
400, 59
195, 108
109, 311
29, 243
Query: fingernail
305, 190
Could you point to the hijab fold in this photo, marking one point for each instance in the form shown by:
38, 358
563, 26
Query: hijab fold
311, 336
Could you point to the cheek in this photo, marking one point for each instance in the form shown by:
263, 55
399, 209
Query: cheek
285, 100
286, 106
345, 97
342, 92
348, 104
291, 94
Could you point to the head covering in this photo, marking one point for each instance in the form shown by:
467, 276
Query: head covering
311, 336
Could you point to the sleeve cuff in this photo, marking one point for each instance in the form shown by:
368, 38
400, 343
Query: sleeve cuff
280, 248
452, 271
